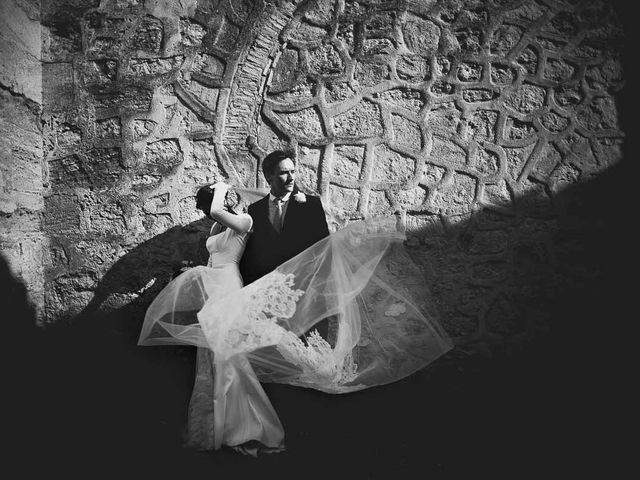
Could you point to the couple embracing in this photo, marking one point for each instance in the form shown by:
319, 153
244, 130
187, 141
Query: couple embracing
259, 310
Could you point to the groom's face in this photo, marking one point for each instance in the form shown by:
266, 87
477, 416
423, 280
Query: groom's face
282, 178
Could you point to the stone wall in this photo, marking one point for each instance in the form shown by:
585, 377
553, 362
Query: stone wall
470, 119
21, 182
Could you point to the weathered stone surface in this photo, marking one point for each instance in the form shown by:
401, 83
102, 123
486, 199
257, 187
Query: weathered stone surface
482, 125
519, 130
103, 167
502, 74
553, 122
343, 199
307, 177
21, 155
547, 161
346, 36
108, 128
432, 174
563, 24
207, 99
568, 96
469, 72
148, 35
516, 159
22, 179
600, 113
142, 127
209, 65
534, 199
156, 66
458, 196
377, 46
551, 44
58, 90
325, 60
447, 152
99, 72
498, 195
529, 60
526, 99
378, 203
557, 70
444, 117
337, 92
392, 167
413, 68
130, 98
348, 162
406, 133
162, 156
486, 162
301, 91
370, 74
404, 98
474, 95
462, 116
421, 36
363, 120
20, 53
309, 156
306, 123
527, 11
412, 199
442, 88
322, 13
469, 39
504, 39
307, 32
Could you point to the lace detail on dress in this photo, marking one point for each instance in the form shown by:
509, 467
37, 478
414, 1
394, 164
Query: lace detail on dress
272, 299
317, 360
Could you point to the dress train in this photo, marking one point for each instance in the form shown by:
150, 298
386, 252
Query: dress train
382, 325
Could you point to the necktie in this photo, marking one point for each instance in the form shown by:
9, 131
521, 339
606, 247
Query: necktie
277, 216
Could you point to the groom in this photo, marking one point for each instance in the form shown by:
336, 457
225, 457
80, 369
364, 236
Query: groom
285, 223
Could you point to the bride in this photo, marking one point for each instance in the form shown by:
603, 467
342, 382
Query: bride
360, 278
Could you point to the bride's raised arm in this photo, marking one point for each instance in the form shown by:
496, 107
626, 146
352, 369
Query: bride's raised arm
218, 212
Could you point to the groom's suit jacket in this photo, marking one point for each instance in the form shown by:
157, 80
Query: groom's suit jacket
304, 224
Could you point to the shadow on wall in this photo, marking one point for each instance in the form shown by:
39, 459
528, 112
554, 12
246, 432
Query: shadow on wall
87, 388
548, 273
548, 268
21, 317
138, 276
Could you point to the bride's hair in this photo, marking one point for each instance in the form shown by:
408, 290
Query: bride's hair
204, 197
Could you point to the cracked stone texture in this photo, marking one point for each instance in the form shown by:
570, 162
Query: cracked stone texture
22, 243
465, 117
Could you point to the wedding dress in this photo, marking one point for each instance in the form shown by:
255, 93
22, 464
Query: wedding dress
228, 405
382, 327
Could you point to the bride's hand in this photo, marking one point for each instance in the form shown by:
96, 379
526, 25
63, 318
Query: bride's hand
220, 187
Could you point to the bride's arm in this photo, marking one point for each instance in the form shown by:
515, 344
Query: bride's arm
238, 223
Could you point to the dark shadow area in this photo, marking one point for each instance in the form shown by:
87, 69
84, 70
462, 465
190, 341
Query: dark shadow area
87, 396
85, 401
144, 271
22, 315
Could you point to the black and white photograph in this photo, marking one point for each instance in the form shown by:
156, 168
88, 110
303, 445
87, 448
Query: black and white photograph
292, 239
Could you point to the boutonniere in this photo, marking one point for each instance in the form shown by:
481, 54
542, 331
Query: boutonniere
300, 197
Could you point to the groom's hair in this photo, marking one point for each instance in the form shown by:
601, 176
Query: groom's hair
270, 161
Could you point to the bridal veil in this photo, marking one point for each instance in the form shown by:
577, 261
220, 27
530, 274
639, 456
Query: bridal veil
383, 326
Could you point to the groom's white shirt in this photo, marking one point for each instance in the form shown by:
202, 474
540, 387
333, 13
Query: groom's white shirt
272, 206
